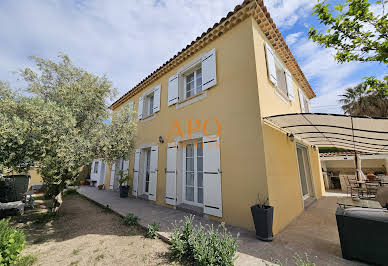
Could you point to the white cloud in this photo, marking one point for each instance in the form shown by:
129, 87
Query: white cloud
293, 37
287, 12
123, 39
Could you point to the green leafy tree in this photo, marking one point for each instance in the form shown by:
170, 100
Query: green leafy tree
62, 123
356, 33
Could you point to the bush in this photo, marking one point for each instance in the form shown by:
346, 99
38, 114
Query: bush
152, 230
202, 245
70, 191
11, 242
131, 219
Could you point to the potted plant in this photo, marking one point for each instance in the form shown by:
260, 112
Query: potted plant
123, 181
262, 215
100, 187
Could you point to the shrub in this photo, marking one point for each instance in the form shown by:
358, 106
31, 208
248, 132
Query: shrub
152, 230
11, 242
26, 260
70, 191
131, 219
203, 245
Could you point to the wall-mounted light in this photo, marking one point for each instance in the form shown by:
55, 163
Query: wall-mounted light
291, 136
314, 147
161, 140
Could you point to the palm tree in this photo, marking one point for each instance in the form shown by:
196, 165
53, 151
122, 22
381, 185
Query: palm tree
361, 100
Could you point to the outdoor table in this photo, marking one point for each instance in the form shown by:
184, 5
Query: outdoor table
349, 202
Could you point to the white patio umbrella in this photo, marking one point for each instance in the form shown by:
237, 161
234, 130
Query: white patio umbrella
360, 175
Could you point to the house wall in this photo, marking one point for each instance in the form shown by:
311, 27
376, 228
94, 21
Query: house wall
280, 153
234, 103
283, 177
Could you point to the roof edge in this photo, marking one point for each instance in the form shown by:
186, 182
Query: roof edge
258, 11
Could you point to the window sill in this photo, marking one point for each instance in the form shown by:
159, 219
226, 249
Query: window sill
191, 99
148, 117
282, 95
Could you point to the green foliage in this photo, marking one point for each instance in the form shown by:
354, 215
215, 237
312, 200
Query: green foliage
355, 33
363, 101
202, 245
123, 178
152, 230
297, 260
131, 219
45, 217
11, 243
26, 260
59, 122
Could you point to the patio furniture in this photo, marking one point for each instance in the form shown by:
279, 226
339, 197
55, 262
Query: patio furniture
363, 234
350, 202
371, 190
382, 196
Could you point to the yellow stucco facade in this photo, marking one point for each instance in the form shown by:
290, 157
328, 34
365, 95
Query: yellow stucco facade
255, 158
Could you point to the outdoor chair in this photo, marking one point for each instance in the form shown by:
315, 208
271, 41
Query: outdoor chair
355, 190
371, 190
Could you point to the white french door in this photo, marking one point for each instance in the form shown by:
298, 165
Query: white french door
147, 171
193, 173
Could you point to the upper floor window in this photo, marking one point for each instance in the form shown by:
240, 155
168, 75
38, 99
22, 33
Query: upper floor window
279, 75
193, 83
149, 103
197, 76
304, 102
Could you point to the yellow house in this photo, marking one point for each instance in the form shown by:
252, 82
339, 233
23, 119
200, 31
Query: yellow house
202, 142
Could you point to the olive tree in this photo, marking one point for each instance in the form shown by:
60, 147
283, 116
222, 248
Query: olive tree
60, 121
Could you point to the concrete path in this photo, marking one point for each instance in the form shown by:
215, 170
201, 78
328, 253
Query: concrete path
313, 233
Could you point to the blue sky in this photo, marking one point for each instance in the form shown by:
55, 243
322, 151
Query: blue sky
127, 40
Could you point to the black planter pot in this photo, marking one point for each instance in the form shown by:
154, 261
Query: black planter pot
124, 190
263, 219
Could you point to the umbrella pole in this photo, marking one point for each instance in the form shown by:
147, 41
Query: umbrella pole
356, 161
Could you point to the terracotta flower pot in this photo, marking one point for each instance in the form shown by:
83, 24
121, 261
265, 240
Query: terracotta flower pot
82, 182
100, 187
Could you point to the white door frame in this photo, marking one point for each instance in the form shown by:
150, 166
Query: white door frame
147, 153
195, 202
308, 172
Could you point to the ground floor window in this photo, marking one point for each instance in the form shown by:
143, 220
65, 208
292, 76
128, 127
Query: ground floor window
193, 173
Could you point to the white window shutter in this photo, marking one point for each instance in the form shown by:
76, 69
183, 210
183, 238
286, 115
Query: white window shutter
209, 70
140, 108
290, 86
270, 54
156, 107
153, 173
173, 89
212, 197
112, 175
136, 166
171, 174
301, 101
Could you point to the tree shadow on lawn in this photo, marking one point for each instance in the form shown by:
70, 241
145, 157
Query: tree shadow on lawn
76, 217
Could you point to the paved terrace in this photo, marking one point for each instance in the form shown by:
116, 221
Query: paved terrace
314, 232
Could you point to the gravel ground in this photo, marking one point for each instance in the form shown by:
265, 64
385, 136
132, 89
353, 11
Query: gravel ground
86, 234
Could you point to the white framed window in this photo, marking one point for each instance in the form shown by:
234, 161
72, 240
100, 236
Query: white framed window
198, 75
192, 82
304, 102
279, 75
149, 103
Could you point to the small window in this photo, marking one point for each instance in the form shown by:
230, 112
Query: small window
281, 78
150, 104
192, 83
95, 168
